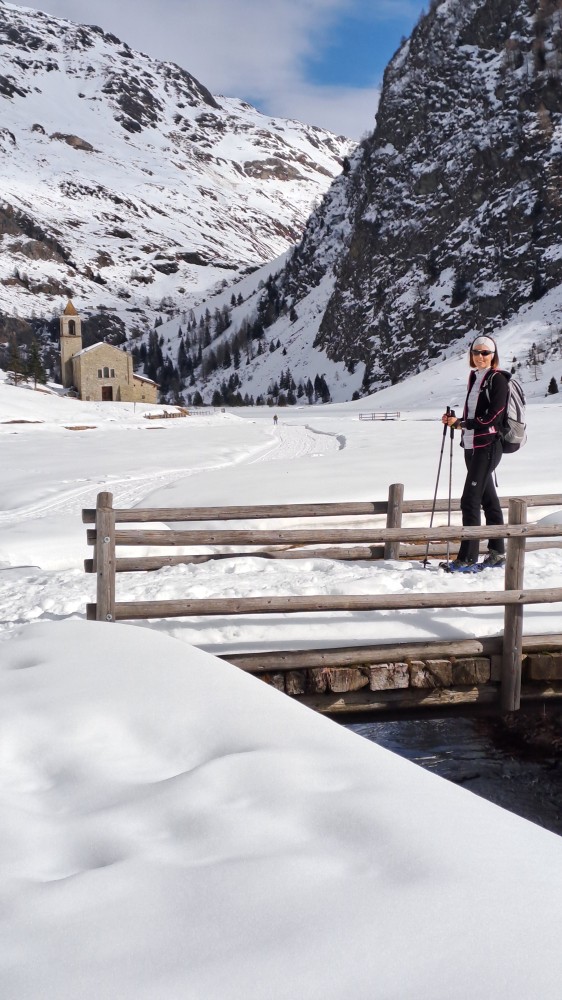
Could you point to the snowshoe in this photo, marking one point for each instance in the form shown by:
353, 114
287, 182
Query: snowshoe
459, 566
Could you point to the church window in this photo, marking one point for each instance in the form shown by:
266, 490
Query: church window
72, 328
106, 373
100, 373
113, 373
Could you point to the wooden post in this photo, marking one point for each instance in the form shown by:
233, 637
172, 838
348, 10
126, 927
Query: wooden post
513, 618
105, 558
394, 518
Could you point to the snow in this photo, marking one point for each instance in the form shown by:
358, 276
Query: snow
176, 185
171, 827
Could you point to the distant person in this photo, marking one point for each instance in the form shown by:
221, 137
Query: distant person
346, 165
481, 422
275, 419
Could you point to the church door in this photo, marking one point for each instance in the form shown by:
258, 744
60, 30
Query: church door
107, 393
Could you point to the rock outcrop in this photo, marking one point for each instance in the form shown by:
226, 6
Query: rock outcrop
453, 212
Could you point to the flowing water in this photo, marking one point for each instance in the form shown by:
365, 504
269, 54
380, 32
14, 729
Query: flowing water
517, 765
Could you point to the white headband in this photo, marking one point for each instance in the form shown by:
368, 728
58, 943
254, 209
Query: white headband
484, 342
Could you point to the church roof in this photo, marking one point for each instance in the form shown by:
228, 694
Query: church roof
94, 347
69, 309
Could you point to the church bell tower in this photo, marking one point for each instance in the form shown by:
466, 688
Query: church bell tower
70, 342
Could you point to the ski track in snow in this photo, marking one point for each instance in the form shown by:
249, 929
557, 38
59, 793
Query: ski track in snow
125, 492
292, 441
289, 442
53, 595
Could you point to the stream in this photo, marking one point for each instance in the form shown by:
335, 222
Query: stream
515, 764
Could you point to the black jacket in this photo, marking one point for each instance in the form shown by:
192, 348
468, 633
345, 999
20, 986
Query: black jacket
488, 421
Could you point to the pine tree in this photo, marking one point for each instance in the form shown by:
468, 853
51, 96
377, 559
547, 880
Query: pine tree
226, 317
538, 288
15, 364
218, 322
35, 369
182, 360
552, 386
460, 289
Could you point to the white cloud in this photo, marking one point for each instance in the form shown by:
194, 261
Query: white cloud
245, 48
344, 110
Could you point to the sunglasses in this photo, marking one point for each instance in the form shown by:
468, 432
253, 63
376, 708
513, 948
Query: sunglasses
483, 354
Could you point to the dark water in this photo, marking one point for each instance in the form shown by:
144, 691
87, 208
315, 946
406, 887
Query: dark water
515, 764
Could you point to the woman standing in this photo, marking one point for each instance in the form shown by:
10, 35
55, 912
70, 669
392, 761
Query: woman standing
481, 423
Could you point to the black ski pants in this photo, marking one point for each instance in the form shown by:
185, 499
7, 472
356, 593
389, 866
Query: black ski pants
480, 494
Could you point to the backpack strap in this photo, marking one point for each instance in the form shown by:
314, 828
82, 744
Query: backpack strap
500, 418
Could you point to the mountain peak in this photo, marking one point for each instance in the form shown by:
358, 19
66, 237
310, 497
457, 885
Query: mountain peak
126, 183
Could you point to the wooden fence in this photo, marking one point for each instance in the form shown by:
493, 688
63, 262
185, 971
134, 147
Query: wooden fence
168, 414
381, 415
385, 542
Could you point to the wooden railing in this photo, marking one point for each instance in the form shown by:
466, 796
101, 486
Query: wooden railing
381, 415
106, 537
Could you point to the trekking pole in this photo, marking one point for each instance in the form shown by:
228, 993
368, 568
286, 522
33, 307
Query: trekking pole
425, 561
452, 414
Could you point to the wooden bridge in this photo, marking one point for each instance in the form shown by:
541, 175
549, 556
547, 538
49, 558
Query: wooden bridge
494, 673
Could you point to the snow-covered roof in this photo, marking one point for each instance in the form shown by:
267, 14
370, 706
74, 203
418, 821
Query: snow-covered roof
93, 347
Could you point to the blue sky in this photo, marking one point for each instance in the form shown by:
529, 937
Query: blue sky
360, 44
320, 61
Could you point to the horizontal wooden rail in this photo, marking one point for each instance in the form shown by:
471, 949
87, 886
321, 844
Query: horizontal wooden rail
243, 512
281, 660
394, 704
380, 415
138, 564
359, 602
328, 535
257, 512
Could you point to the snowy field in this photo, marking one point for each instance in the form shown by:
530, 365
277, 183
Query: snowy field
172, 829
314, 454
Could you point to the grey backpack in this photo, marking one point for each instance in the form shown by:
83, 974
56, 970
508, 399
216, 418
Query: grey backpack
513, 431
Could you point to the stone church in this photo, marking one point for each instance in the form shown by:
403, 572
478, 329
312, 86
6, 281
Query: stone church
100, 372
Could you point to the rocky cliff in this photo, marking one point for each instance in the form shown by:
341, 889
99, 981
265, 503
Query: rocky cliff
453, 212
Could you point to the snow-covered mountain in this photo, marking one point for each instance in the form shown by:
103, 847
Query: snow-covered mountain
127, 185
453, 210
457, 223
449, 223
